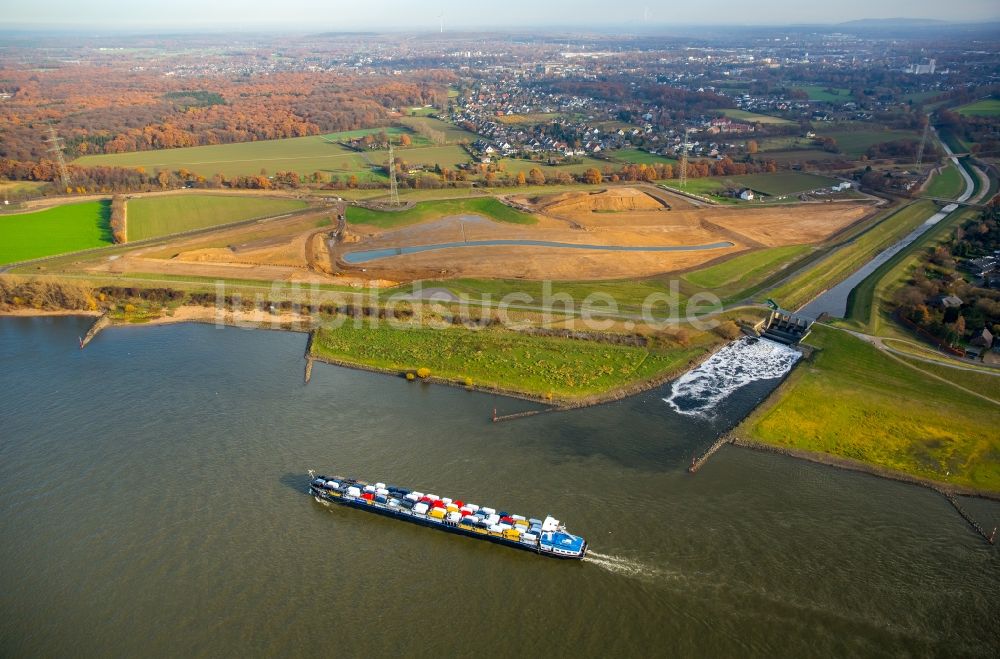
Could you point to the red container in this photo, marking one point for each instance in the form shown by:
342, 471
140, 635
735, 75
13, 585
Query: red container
438, 503
458, 503
368, 495
426, 500
507, 520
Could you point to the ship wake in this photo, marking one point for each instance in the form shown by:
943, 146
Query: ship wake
623, 566
736, 365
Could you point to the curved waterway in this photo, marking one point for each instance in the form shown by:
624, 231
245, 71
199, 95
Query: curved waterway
152, 504
363, 256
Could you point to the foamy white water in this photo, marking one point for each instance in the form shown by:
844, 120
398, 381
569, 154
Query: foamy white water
623, 566
736, 365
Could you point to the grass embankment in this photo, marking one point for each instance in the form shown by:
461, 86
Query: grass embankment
736, 275
151, 217
551, 368
57, 230
485, 206
852, 401
842, 262
946, 184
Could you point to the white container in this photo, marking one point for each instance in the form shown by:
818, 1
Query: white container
495, 528
419, 495
505, 527
445, 500
432, 496
471, 506
520, 517
369, 488
529, 536
493, 519
454, 517
333, 484
394, 503
381, 490
489, 511
353, 492
379, 486
420, 508
412, 496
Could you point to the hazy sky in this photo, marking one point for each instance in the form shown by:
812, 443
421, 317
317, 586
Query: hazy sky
418, 15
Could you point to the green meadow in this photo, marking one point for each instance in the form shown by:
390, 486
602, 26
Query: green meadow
151, 217
540, 366
58, 230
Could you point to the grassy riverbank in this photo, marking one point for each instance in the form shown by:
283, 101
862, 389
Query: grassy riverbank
852, 401
544, 367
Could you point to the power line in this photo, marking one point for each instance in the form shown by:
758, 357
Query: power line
393, 189
684, 160
56, 149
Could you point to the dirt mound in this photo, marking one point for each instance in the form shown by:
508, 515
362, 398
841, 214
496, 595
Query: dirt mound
605, 201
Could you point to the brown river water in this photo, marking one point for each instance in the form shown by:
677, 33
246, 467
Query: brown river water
152, 500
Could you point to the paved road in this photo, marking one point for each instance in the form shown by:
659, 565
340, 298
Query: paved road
833, 301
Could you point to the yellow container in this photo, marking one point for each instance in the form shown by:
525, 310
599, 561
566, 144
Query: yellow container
452, 508
512, 535
521, 522
437, 513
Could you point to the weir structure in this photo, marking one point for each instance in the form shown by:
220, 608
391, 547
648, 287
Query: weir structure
784, 326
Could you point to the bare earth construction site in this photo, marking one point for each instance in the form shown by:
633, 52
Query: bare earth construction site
586, 236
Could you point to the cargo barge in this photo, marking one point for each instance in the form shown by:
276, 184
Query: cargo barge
543, 536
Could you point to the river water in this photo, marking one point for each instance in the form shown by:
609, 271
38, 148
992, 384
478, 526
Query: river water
152, 492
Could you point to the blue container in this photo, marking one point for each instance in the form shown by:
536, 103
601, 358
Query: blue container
380, 498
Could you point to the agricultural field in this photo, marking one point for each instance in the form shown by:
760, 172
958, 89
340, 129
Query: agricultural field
57, 230
18, 189
154, 216
515, 165
705, 187
946, 184
486, 206
530, 118
781, 183
821, 93
799, 156
854, 143
304, 155
429, 156
752, 117
543, 367
852, 401
638, 157
987, 107
452, 133
842, 262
